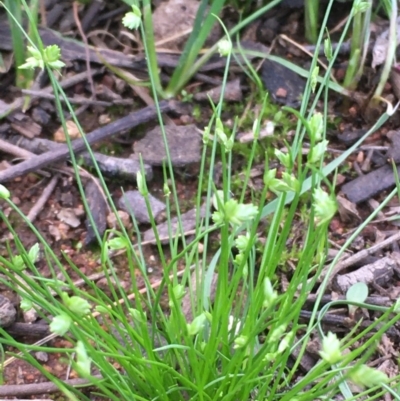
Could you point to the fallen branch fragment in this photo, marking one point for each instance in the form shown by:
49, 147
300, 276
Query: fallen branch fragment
38, 206
367, 186
379, 272
110, 166
18, 390
55, 156
36, 330
363, 254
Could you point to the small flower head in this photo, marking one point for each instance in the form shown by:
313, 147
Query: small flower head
197, 325
206, 134
166, 190
330, 351
328, 48
83, 362
50, 57
314, 78
137, 315
269, 176
4, 192
277, 333
285, 342
270, 295
33, 253
60, 324
366, 377
26, 304
291, 181
76, 305
218, 199
316, 125
325, 206
317, 152
141, 184
132, 19
361, 6
117, 243
242, 241
222, 137
238, 213
240, 341
288, 183
179, 291
284, 158
224, 47
104, 310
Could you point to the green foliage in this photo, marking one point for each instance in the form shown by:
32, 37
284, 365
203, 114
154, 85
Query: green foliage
235, 344
17, 11
49, 57
356, 293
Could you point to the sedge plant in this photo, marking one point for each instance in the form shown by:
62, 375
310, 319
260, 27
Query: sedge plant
237, 340
16, 19
359, 43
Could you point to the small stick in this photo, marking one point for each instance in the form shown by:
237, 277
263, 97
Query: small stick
306, 51
66, 83
363, 254
38, 206
17, 390
14, 150
55, 156
83, 100
75, 6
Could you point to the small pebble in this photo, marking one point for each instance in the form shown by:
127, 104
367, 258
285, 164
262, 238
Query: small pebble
41, 356
134, 202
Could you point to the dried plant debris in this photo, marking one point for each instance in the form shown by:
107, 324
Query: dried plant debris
395, 80
134, 203
98, 209
350, 136
71, 49
232, 93
381, 179
184, 145
284, 85
110, 166
379, 272
367, 186
381, 45
8, 312
393, 153
173, 22
188, 221
69, 216
347, 210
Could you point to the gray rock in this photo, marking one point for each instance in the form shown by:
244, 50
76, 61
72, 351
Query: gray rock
8, 312
133, 202
188, 220
41, 356
184, 144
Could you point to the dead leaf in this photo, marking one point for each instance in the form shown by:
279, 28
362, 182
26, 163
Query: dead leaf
73, 132
379, 51
347, 210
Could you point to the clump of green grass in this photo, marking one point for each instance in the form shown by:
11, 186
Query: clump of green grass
235, 344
